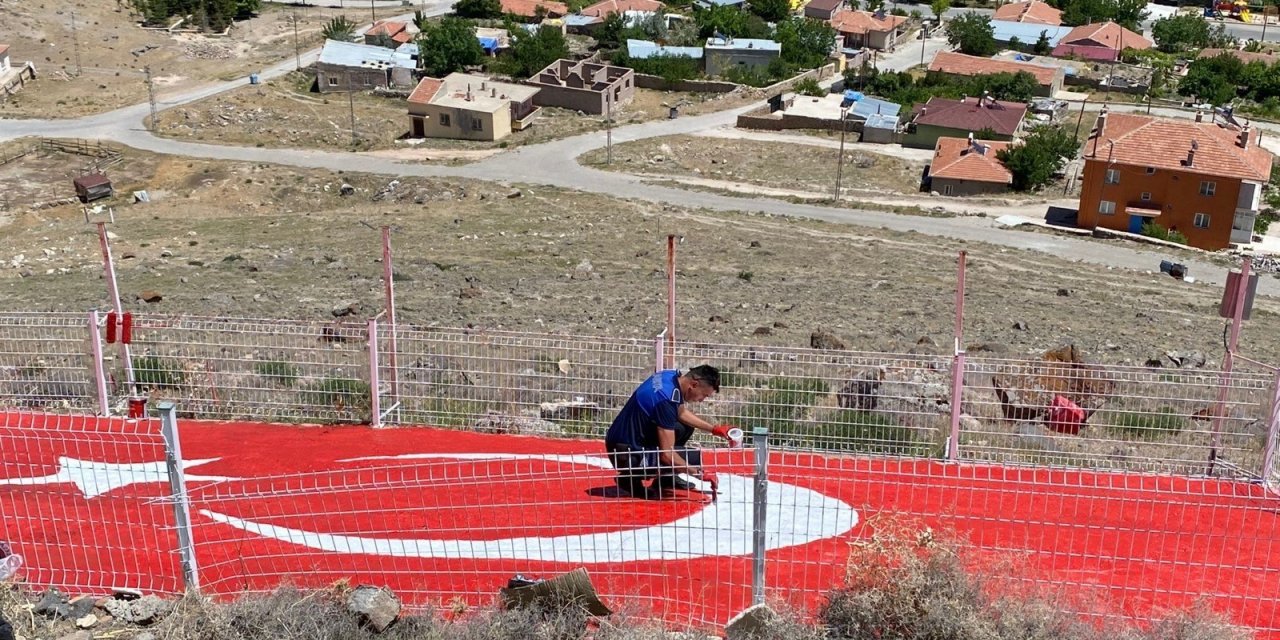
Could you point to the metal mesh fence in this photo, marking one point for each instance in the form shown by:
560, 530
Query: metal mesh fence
46, 362
85, 502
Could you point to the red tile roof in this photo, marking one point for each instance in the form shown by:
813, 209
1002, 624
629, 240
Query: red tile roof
1001, 117
426, 90
1033, 12
4, 48
603, 9
1106, 34
528, 8
958, 159
386, 28
963, 65
861, 22
825, 6
1244, 56
1146, 141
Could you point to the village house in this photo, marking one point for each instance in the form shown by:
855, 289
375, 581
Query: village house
968, 167
350, 66
1032, 11
823, 10
14, 78
1023, 36
723, 54
469, 107
1100, 41
530, 9
985, 117
1049, 79
589, 87
863, 29
1201, 178
390, 34
645, 49
622, 7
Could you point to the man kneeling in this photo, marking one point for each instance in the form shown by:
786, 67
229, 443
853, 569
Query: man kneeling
648, 439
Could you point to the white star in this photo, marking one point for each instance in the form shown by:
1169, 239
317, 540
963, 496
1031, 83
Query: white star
96, 478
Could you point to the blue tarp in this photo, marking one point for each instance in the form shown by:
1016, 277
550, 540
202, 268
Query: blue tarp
488, 44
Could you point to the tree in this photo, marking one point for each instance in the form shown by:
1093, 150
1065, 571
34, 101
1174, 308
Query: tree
1180, 33
1127, 13
532, 52
1213, 80
806, 42
770, 10
609, 34
1041, 154
729, 21
478, 9
339, 28
1041, 47
448, 46
972, 34
939, 8
1014, 87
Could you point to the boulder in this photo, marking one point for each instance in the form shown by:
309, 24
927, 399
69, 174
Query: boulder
822, 339
375, 607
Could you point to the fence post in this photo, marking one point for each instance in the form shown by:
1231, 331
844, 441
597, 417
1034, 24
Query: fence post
957, 364
99, 368
178, 488
670, 363
1228, 363
1273, 431
393, 355
759, 511
659, 351
375, 404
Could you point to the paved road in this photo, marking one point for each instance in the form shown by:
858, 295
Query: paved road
553, 164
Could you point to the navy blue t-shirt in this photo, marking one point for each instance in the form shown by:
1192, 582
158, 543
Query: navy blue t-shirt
654, 404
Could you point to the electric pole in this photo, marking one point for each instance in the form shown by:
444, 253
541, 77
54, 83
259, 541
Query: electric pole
844, 114
351, 103
924, 42
608, 126
297, 53
76, 44
151, 96
373, 11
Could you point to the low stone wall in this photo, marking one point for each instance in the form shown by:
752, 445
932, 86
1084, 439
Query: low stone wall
763, 120
646, 81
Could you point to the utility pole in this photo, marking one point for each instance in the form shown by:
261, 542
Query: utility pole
924, 42
76, 44
351, 102
608, 126
844, 114
297, 52
151, 96
373, 11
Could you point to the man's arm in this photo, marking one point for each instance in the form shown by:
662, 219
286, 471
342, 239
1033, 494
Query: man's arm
690, 419
668, 457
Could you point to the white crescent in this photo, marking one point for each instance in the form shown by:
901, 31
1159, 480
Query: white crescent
794, 516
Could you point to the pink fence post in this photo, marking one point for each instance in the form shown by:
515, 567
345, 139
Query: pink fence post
1273, 432
957, 364
375, 403
388, 275
670, 362
113, 289
99, 368
1228, 362
659, 351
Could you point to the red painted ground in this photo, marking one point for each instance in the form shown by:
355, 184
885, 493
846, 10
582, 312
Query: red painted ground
1134, 544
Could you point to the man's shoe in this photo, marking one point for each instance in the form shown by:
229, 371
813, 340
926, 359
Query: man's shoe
676, 483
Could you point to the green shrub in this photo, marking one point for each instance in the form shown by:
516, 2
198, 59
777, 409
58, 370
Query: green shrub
783, 401
154, 372
736, 380
868, 432
809, 87
746, 276
277, 372
1153, 230
1148, 426
340, 393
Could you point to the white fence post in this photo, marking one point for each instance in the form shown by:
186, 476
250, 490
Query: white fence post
659, 351
375, 403
99, 368
759, 512
178, 488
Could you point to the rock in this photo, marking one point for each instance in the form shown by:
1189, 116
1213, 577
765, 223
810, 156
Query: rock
576, 409
82, 606
762, 331
145, 635
1019, 326
822, 339
87, 621
53, 604
494, 422
346, 190
718, 320
969, 423
142, 611
1193, 360
150, 296
755, 244
376, 607
469, 292
79, 635
1174, 357
778, 324
1154, 363
584, 267
514, 193
1063, 293
345, 309
166, 254
986, 347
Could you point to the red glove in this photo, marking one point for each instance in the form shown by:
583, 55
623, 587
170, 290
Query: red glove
710, 478
722, 431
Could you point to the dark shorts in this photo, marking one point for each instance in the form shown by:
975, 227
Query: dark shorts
645, 463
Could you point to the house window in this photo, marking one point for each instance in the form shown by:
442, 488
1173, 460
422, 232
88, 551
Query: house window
333, 82
1208, 188
1113, 176
1202, 220
477, 125
948, 190
1146, 196
444, 120
1106, 207
1151, 171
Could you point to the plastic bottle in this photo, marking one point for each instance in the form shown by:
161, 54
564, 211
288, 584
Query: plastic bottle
9, 565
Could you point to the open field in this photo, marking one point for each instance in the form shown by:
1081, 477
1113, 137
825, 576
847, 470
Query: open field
767, 164
554, 260
114, 50
286, 113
